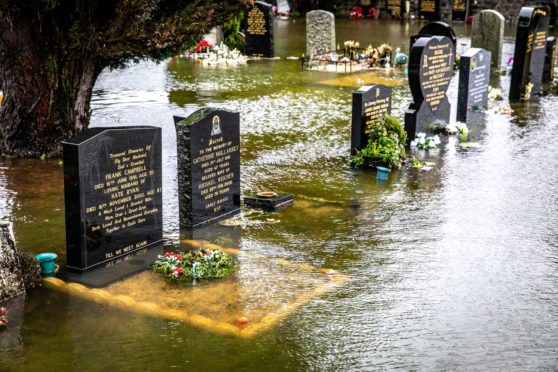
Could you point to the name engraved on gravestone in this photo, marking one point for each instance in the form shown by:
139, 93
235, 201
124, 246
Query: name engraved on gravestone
429, 9
258, 24
474, 76
430, 69
113, 193
529, 55
550, 58
208, 166
370, 104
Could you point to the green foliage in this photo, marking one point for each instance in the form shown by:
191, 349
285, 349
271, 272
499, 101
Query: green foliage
386, 142
183, 267
232, 31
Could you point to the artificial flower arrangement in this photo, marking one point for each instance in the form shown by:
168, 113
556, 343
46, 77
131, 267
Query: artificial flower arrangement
184, 267
222, 55
422, 142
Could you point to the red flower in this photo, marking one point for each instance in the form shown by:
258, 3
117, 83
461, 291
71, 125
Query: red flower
198, 48
178, 271
204, 43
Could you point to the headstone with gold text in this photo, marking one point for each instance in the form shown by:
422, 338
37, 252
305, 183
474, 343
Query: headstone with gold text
113, 194
370, 104
258, 30
430, 70
529, 55
429, 9
208, 166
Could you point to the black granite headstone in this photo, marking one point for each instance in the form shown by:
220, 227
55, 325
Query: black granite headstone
395, 8
474, 76
437, 28
430, 70
258, 27
113, 194
459, 10
429, 9
529, 55
370, 104
208, 166
549, 59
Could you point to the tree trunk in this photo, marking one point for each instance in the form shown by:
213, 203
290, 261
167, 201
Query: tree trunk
47, 88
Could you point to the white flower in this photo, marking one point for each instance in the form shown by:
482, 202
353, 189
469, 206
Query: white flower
413, 144
432, 144
421, 140
421, 135
436, 140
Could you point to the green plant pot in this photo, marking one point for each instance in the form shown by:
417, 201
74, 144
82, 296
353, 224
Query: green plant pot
47, 261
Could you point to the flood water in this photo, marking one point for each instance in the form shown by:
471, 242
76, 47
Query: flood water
453, 268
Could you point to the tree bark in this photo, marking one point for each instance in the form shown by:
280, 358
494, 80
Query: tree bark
47, 90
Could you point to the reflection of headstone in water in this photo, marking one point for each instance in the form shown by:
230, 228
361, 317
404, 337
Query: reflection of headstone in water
430, 70
529, 55
370, 104
208, 166
11, 342
113, 194
258, 30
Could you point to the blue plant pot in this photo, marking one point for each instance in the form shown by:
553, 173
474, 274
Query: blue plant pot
47, 261
382, 173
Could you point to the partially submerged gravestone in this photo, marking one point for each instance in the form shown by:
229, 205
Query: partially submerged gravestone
208, 166
529, 55
474, 78
396, 8
459, 10
430, 69
113, 195
429, 9
549, 59
370, 104
488, 34
320, 32
258, 27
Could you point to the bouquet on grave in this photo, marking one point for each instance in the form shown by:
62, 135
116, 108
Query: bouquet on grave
184, 267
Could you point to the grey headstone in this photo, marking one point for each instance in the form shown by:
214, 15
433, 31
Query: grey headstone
488, 34
320, 32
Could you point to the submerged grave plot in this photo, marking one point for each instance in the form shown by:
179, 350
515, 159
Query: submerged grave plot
260, 294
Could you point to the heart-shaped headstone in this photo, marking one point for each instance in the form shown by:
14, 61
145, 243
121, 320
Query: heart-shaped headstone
430, 69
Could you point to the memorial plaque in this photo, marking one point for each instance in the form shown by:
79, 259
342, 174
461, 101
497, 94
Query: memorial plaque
113, 194
430, 70
549, 60
529, 55
459, 10
370, 104
320, 32
474, 77
437, 28
488, 34
429, 9
395, 8
258, 24
208, 166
